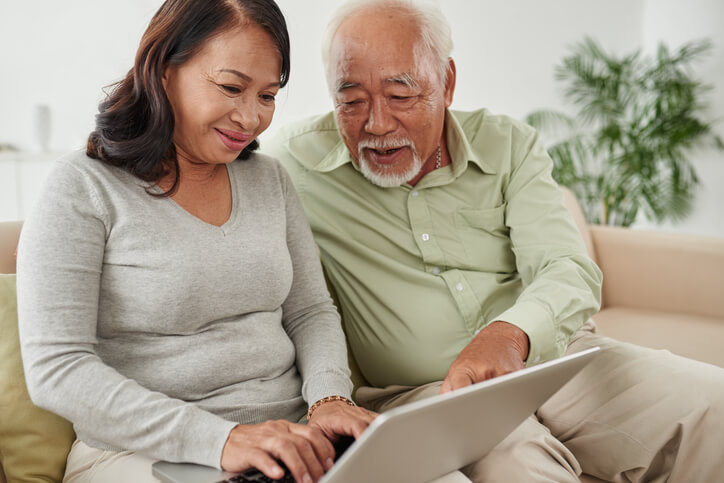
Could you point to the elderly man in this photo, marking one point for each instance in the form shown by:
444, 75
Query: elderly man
454, 260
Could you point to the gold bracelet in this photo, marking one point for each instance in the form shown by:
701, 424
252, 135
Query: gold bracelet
327, 399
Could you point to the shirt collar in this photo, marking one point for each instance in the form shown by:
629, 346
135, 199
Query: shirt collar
458, 145
328, 143
317, 144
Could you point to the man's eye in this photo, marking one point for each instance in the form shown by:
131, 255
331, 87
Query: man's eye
231, 89
401, 98
350, 103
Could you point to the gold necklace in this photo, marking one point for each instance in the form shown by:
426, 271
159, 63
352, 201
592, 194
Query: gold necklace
438, 158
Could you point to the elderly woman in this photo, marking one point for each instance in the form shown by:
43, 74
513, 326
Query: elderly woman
172, 304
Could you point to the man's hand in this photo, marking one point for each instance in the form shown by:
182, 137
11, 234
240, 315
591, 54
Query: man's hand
500, 348
337, 418
303, 449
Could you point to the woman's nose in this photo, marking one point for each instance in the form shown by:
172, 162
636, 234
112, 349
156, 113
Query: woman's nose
245, 113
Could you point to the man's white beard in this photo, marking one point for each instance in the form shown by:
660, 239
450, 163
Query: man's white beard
384, 176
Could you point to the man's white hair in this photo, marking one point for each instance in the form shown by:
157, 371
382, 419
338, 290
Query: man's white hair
435, 35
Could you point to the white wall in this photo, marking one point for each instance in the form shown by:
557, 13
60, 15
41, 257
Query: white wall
505, 54
676, 22
62, 53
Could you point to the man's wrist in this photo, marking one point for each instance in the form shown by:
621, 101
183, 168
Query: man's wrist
515, 334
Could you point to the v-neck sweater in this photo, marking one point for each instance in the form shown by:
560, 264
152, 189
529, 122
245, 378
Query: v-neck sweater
153, 331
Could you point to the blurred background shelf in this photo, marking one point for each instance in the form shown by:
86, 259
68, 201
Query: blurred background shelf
22, 178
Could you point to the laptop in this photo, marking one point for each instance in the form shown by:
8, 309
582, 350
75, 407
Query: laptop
423, 440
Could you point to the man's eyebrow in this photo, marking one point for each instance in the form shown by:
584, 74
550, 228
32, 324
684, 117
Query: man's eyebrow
245, 77
405, 79
343, 85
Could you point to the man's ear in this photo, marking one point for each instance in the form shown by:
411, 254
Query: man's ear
450, 82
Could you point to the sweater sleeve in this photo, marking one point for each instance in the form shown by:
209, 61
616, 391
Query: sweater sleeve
60, 262
310, 318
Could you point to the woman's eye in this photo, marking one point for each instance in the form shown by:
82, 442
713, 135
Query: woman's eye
231, 89
268, 98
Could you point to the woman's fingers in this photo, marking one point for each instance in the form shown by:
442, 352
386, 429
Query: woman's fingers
262, 461
321, 445
303, 450
292, 452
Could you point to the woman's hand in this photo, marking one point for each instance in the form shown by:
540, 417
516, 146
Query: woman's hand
302, 448
337, 418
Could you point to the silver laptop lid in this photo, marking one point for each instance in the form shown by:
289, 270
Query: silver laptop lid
427, 439
424, 440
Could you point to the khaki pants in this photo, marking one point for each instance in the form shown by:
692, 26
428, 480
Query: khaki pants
632, 415
86, 464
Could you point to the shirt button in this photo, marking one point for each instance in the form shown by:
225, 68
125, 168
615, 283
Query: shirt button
459, 287
478, 331
425, 237
414, 194
436, 270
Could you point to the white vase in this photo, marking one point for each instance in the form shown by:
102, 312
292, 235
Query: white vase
42, 125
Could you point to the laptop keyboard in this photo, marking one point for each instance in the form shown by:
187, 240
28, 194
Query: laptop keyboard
256, 476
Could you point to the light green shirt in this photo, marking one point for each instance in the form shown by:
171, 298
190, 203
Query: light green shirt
418, 271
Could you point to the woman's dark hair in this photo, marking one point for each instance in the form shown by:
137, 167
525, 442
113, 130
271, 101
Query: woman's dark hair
134, 127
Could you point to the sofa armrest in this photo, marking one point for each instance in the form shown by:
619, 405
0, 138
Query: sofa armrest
9, 234
661, 271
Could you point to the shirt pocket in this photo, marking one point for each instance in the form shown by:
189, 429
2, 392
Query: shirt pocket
486, 239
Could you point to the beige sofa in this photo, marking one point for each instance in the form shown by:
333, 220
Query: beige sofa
660, 290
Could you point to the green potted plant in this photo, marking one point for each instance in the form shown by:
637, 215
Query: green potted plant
627, 148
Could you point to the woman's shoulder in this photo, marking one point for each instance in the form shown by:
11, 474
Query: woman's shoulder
79, 162
76, 177
74, 161
82, 168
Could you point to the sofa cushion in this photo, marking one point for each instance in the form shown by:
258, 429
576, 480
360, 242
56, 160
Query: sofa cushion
694, 336
34, 443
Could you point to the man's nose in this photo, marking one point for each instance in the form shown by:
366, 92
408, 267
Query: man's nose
380, 120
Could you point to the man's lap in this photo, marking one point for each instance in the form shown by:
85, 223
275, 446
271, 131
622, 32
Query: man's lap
633, 413
527, 438
640, 412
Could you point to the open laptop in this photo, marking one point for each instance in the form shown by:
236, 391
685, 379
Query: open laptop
426, 439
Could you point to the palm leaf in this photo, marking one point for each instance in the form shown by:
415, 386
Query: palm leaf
625, 150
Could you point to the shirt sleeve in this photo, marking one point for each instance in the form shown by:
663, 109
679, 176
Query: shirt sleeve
60, 260
310, 318
561, 284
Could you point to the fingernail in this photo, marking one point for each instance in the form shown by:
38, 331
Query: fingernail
306, 478
330, 463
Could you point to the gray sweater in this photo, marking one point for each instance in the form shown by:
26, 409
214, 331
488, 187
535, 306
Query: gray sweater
153, 331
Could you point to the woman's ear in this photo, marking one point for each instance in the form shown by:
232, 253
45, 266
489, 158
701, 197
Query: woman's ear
164, 77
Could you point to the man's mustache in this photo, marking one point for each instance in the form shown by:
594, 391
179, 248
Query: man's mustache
385, 144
